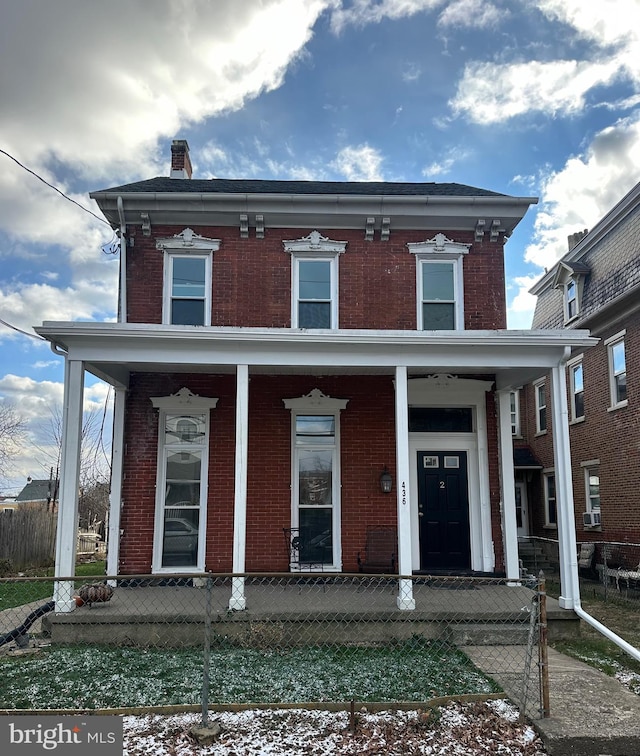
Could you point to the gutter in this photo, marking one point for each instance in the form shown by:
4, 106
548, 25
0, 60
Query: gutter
122, 300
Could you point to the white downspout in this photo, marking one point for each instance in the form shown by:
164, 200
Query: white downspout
604, 630
122, 304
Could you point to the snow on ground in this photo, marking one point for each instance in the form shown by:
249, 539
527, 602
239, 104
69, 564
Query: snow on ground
467, 729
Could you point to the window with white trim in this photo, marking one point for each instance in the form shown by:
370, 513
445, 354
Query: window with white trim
592, 487
576, 390
315, 486
550, 503
514, 399
181, 482
314, 281
540, 392
617, 370
571, 302
440, 291
187, 278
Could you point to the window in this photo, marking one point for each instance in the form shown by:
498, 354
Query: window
540, 390
550, 508
571, 299
315, 291
316, 478
440, 283
576, 390
189, 289
187, 278
181, 486
617, 370
515, 412
592, 487
314, 286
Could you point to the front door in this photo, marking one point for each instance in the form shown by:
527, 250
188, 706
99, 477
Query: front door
443, 511
522, 517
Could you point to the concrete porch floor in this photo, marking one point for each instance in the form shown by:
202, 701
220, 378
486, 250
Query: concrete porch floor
311, 610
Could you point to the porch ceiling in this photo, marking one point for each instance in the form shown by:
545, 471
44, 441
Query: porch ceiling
112, 351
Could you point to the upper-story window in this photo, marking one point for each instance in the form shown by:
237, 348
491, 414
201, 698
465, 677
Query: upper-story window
440, 290
314, 281
550, 502
187, 278
540, 390
514, 399
576, 390
570, 278
617, 370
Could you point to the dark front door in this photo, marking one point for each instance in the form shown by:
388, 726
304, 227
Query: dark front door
443, 511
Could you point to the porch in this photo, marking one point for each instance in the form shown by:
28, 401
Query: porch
319, 609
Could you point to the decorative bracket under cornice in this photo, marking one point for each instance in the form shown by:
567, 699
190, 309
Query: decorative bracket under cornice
189, 240
315, 242
479, 230
385, 229
146, 224
369, 229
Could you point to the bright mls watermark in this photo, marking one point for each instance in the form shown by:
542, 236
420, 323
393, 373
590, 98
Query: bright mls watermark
62, 735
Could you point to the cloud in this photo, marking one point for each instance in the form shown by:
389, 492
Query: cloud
476, 14
522, 304
584, 189
443, 166
361, 163
363, 12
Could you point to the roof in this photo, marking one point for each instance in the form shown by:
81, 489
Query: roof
524, 458
163, 184
37, 490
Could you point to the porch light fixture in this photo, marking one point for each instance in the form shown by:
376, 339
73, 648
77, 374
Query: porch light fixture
386, 481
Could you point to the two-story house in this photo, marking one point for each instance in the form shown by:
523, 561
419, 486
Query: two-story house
596, 285
318, 356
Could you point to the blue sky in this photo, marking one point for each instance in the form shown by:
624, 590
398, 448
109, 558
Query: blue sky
525, 97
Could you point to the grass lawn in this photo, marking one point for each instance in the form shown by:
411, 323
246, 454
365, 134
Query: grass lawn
23, 592
99, 677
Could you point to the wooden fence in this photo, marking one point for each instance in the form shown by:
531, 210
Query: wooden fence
28, 537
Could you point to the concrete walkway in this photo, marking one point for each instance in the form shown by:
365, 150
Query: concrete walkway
592, 714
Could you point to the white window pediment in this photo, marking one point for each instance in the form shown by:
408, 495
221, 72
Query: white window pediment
570, 279
184, 399
187, 240
315, 243
317, 401
439, 245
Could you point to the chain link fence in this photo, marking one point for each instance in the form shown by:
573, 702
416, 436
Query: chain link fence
609, 570
137, 641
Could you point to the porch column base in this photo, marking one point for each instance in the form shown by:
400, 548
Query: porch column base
238, 601
63, 596
405, 601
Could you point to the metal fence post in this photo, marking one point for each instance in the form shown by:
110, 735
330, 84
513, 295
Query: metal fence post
206, 653
542, 645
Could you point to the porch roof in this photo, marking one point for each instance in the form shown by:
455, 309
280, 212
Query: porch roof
112, 351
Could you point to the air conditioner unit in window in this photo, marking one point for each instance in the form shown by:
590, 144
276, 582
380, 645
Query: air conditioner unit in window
591, 519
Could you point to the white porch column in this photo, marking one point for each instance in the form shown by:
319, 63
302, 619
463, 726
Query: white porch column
405, 598
569, 584
67, 532
238, 600
115, 493
508, 488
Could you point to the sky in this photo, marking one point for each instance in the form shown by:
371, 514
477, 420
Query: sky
535, 98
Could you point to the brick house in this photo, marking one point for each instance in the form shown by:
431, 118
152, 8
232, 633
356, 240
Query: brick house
596, 285
320, 357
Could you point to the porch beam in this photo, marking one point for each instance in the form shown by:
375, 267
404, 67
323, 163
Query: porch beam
115, 492
508, 484
569, 584
237, 600
67, 531
405, 599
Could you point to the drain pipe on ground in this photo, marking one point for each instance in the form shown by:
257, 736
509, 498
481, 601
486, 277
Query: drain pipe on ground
604, 630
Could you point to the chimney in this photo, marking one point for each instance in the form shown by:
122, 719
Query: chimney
180, 160
573, 239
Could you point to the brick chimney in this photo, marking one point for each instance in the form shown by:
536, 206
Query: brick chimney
573, 239
180, 160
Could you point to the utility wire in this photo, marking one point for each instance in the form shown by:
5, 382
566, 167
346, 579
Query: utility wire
55, 188
19, 330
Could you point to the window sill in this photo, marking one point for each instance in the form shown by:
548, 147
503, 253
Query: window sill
577, 420
549, 527
541, 433
615, 407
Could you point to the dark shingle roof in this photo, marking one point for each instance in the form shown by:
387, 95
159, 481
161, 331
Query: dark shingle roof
162, 184
37, 490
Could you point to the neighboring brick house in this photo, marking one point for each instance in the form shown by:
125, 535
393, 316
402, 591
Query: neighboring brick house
282, 348
596, 285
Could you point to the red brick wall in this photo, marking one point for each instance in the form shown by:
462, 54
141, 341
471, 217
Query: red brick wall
367, 444
377, 280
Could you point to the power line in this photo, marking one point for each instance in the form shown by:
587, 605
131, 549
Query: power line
19, 330
55, 188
